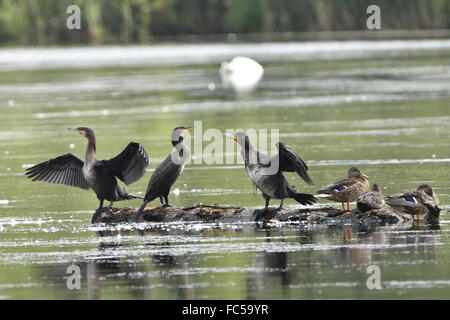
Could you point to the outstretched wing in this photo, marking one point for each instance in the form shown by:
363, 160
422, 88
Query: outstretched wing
66, 169
289, 161
129, 166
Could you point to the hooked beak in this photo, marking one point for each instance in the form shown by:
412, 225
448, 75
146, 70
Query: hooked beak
76, 130
231, 136
186, 131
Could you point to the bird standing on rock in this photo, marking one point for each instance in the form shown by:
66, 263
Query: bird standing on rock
99, 175
370, 200
415, 202
429, 194
167, 172
266, 172
347, 189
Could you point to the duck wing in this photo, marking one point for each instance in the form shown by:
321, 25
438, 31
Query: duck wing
337, 186
412, 199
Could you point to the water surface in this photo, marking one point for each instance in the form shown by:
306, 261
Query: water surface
380, 105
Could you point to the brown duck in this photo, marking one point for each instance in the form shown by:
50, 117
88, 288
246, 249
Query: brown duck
347, 189
415, 202
370, 200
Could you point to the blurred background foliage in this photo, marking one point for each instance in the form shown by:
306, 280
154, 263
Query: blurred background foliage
43, 22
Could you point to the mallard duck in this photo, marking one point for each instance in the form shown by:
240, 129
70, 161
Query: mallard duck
429, 192
347, 189
415, 202
370, 200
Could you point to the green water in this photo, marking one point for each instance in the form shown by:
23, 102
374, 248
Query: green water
386, 113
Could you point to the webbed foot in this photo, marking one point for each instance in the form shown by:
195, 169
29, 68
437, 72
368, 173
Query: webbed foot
96, 214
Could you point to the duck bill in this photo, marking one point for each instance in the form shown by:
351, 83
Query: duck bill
364, 175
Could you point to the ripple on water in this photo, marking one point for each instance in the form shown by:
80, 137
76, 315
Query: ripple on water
137, 250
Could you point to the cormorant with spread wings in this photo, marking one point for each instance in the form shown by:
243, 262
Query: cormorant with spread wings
266, 172
99, 175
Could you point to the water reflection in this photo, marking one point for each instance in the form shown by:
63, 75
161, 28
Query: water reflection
329, 249
324, 258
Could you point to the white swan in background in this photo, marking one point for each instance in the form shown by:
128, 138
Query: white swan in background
242, 74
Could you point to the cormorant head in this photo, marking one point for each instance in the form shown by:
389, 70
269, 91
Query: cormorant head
84, 131
240, 137
178, 133
354, 172
376, 187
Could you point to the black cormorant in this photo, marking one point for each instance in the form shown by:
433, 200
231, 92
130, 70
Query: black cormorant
99, 175
167, 172
266, 172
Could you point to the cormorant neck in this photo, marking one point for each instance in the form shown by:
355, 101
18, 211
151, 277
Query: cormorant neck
175, 142
183, 152
249, 152
91, 149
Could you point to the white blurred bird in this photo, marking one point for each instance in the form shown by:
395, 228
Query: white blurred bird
242, 74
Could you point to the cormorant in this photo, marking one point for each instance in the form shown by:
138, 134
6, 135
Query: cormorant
266, 172
347, 189
167, 172
99, 175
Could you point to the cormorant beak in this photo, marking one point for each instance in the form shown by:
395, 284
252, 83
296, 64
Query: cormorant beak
231, 136
363, 175
186, 131
76, 130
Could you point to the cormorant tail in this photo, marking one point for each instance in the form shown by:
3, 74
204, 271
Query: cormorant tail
302, 198
124, 195
135, 196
